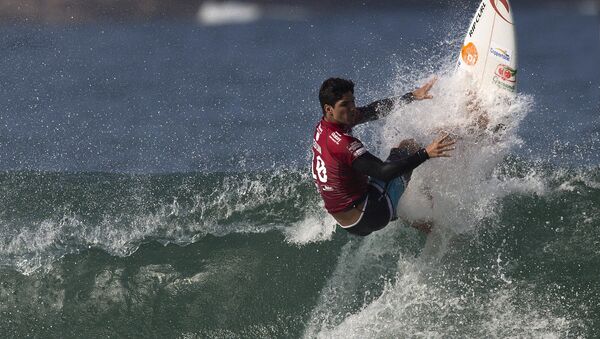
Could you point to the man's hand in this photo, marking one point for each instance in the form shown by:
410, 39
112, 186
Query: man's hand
440, 147
423, 92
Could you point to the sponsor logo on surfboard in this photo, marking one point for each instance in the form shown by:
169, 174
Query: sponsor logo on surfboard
505, 77
477, 18
508, 87
501, 53
503, 11
506, 73
469, 54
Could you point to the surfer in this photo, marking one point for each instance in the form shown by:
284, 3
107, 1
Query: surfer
361, 191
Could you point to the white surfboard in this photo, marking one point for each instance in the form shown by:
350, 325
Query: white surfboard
487, 61
489, 51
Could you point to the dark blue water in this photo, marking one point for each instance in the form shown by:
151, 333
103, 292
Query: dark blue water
168, 97
155, 183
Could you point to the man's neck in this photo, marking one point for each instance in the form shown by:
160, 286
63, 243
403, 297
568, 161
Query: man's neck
333, 121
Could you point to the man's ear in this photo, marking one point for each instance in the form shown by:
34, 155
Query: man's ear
328, 109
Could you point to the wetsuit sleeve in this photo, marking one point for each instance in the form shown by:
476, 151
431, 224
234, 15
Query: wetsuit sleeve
380, 108
372, 166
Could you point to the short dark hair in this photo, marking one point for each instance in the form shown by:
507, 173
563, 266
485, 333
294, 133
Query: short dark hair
332, 91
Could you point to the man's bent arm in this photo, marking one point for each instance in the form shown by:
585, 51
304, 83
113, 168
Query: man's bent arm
381, 108
372, 166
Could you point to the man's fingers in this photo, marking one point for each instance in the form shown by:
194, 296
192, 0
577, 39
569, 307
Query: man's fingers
422, 92
447, 148
442, 145
425, 88
444, 150
442, 137
446, 140
430, 83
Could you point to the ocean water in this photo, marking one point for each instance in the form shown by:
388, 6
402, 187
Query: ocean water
155, 182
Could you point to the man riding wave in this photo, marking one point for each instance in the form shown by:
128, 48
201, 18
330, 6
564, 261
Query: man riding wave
361, 191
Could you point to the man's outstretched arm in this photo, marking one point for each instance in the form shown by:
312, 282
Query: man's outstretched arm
373, 166
381, 108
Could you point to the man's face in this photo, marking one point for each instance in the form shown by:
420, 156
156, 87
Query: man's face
344, 111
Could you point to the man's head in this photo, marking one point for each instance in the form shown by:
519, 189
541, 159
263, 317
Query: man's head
337, 100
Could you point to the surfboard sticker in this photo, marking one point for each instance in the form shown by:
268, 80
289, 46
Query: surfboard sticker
503, 10
501, 53
477, 18
506, 77
469, 54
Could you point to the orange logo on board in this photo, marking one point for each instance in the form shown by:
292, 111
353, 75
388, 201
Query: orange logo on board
469, 54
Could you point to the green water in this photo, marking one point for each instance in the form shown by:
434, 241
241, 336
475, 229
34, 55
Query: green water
530, 269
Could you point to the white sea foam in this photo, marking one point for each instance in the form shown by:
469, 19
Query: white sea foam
422, 298
417, 305
318, 226
457, 192
36, 244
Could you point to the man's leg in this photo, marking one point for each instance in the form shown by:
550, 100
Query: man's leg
404, 149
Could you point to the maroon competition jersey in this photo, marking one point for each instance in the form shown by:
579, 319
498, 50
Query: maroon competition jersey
334, 150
